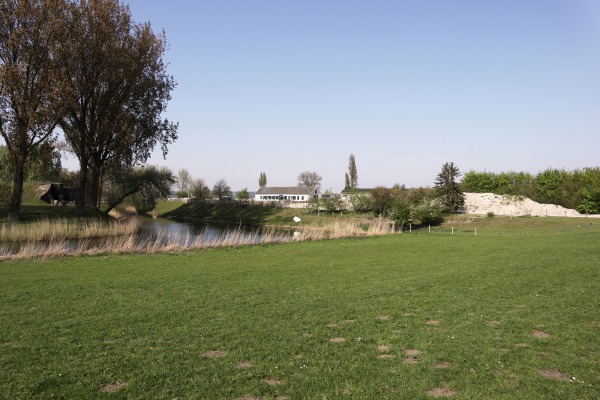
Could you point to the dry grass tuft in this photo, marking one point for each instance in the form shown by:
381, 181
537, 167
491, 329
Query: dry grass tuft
343, 228
214, 353
556, 375
113, 387
441, 392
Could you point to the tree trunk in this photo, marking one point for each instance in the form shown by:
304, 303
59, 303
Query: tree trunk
93, 200
81, 190
14, 207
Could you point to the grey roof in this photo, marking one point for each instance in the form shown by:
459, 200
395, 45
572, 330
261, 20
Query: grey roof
302, 190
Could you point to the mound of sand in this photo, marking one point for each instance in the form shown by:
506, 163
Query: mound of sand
483, 203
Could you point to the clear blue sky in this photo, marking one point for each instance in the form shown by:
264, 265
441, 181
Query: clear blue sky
287, 86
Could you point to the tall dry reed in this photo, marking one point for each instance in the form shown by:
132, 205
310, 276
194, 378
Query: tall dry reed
344, 228
165, 242
55, 230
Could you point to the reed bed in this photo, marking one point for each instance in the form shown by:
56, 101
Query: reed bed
56, 230
344, 228
57, 246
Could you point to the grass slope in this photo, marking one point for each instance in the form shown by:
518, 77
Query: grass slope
387, 317
251, 214
230, 213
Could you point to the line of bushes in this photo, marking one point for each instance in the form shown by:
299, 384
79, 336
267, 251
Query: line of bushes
578, 189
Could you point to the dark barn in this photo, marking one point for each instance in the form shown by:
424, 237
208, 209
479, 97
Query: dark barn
58, 193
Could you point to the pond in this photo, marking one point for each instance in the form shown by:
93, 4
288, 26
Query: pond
169, 230
155, 234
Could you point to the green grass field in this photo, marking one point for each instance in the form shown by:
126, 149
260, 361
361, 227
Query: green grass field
485, 317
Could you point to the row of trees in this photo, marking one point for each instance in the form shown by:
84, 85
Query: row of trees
88, 71
306, 178
578, 189
425, 206
197, 188
313, 179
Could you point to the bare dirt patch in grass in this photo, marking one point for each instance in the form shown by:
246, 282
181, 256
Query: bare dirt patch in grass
384, 356
522, 344
441, 392
557, 375
544, 353
337, 340
333, 325
214, 354
384, 348
273, 381
493, 322
443, 365
411, 356
541, 335
12, 345
384, 318
243, 365
113, 387
433, 322
248, 397
349, 321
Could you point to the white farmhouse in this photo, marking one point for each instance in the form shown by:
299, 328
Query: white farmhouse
293, 194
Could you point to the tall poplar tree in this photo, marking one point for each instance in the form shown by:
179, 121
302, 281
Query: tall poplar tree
262, 180
352, 174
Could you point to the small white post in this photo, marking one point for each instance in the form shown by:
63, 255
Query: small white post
453, 229
410, 227
429, 228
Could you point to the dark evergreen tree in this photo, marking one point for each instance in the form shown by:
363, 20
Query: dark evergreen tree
448, 190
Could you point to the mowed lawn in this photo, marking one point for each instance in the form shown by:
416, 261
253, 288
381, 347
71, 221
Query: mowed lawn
396, 317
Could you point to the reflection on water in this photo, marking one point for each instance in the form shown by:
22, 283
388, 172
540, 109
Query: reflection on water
154, 234
167, 231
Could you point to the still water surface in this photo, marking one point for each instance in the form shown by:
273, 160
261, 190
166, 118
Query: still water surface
164, 232
169, 229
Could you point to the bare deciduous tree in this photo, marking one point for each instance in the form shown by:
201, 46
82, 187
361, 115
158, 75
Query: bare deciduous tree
184, 181
309, 179
221, 189
199, 190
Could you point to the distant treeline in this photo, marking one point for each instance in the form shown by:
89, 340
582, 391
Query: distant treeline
579, 189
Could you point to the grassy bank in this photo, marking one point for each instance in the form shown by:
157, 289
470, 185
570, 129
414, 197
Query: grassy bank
403, 316
231, 213
250, 215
